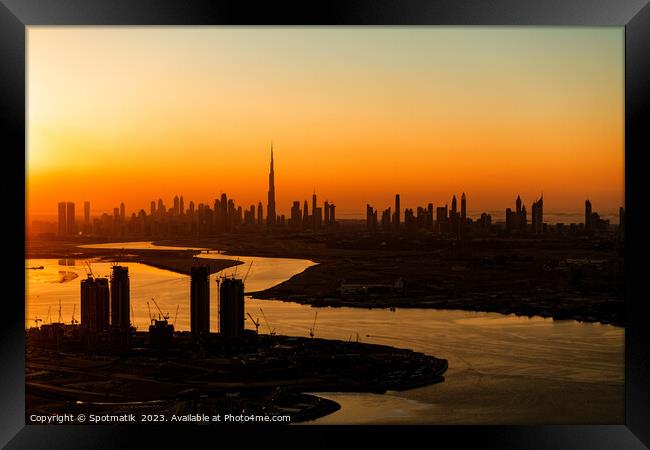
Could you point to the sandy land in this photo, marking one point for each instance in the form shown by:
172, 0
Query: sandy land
563, 278
180, 261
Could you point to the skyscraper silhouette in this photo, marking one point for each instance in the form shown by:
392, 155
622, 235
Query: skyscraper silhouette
441, 219
222, 212
296, 215
270, 209
94, 304
314, 212
509, 220
396, 217
454, 219
540, 214
519, 219
70, 226
62, 219
326, 213
305, 215
533, 222
120, 298
621, 222
231, 307
200, 300
463, 207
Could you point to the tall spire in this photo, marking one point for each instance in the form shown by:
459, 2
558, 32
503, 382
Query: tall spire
270, 211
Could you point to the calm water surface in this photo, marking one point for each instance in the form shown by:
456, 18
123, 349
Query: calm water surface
502, 369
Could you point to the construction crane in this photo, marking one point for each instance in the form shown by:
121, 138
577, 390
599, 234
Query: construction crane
160, 310
60, 316
119, 256
235, 271
176, 315
73, 320
313, 327
218, 296
257, 324
49, 317
271, 332
247, 272
89, 272
350, 340
149, 309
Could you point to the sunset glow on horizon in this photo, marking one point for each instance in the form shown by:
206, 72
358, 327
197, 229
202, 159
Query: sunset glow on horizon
355, 114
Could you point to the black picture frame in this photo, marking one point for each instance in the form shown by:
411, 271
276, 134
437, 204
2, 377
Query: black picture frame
634, 15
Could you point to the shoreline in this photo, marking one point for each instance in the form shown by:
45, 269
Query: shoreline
494, 278
447, 305
181, 265
178, 261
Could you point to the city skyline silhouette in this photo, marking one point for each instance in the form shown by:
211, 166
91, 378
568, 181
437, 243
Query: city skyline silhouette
490, 112
237, 220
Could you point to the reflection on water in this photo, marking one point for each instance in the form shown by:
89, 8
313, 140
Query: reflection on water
502, 369
264, 272
67, 262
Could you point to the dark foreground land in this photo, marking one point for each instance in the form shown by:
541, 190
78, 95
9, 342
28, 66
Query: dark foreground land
564, 277
255, 375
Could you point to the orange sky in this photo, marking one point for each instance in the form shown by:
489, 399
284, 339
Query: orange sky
134, 114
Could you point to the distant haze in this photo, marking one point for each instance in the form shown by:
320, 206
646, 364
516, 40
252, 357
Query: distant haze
358, 114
